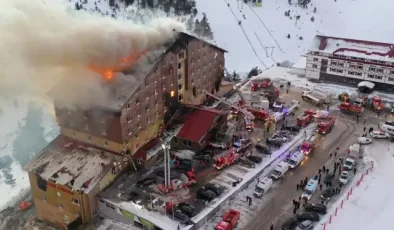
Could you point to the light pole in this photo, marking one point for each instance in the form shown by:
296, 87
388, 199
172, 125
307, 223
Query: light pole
167, 165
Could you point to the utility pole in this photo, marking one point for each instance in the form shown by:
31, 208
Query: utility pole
167, 165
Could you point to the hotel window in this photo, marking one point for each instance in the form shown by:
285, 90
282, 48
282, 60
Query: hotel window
70, 123
85, 115
179, 65
333, 63
352, 66
315, 59
102, 120
44, 198
372, 69
392, 72
87, 127
147, 108
69, 111
379, 70
179, 86
378, 77
157, 103
371, 76
157, 114
147, 96
60, 205
73, 134
129, 131
156, 92
139, 125
75, 201
390, 79
89, 138
128, 119
138, 113
179, 76
104, 132
180, 98
314, 66
360, 67
106, 143
181, 55
58, 194
172, 82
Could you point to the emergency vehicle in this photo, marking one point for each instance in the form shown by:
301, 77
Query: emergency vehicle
257, 84
308, 145
326, 126
229, 220
310, 188
360, 101
349, 108
304, 120
377, 104
259, 114
226, 158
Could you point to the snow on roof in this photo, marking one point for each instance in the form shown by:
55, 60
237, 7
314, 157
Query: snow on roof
300, 64
354, 48
72, 164
366, 84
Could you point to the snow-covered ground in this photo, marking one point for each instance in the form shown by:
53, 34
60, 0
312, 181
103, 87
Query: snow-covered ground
371, 204
27, 125
355, 18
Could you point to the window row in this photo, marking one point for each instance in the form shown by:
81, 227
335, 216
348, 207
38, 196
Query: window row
139, 125
363, 59
336, 70
355, 73
375, 76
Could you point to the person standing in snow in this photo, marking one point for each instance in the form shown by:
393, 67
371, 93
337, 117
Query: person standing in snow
298, 186
271, 227
354, 171
321, 186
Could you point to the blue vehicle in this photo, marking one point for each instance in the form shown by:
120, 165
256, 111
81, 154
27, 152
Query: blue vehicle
310, 188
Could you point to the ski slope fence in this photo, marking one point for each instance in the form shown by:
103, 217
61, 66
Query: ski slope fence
340, 203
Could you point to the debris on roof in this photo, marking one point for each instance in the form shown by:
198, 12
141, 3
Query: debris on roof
197, 124
73, 164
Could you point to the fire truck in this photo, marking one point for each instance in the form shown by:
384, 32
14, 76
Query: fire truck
308, 145
259, 114
229, 220
360, 101
305, 119
257, 84
349, 108
226, 158
271, 94
326, 126
377, 104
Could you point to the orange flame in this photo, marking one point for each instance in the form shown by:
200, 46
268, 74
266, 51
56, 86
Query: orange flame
108, 72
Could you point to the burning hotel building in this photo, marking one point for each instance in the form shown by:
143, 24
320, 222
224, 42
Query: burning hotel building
96, 145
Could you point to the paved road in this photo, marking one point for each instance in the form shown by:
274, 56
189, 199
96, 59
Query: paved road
279, 207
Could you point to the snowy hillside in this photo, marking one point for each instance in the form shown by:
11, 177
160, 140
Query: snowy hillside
27, 125
343, 18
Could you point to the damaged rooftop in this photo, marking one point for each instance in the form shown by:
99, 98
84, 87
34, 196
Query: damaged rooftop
72, 164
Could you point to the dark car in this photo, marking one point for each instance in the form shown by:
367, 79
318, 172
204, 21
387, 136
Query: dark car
327, 194
133, 196
274, 141
217, 189
205, 194
246, 162
187, 209
146, 182
255, 159
328, 178
264, 149
313, 216
181, 217
281, 134
293, 128
316, 207
290, 224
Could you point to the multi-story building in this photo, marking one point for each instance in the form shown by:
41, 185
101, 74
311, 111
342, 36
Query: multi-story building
95, 144
351, 61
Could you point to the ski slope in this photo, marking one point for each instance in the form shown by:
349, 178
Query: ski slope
371, 205
361, 19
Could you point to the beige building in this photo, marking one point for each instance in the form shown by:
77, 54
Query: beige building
95, 145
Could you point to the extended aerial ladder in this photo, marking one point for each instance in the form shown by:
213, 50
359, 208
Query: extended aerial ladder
245, 112
242, 101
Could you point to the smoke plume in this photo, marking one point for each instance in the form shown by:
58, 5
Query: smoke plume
45, 41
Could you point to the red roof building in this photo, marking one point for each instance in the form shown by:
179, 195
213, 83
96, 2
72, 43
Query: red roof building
197, 124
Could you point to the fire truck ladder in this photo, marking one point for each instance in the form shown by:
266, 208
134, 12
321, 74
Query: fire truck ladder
245, 112
239, 93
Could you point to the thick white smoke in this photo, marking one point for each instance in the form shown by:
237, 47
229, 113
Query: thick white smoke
42, 41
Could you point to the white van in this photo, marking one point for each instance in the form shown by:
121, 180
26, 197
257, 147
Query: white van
280, 170
388, 127
310, 188
278, 116
296, 159
354, 149
263, 186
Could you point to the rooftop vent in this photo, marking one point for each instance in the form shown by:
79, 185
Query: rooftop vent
323, 43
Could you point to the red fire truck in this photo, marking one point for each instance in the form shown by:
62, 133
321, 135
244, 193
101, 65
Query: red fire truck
308, 145
229, 220
305, 119
326, 126
377, 104
349, 108
226, 158
257, 84
259, 114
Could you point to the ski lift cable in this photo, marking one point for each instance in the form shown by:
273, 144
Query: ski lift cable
272, 36
247, 38
265, 48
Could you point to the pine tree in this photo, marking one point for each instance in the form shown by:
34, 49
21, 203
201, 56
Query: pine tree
30, 137
143, 4
197, 27
205, 27
150, 4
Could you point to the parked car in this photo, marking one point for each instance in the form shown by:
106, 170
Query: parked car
133, 196
379, 135
364, 141
187, 209
280, 137
282, 133
246, 162
217, 189
205, 194
293, 128
255, 159
290, 224
146, 182
344, 177
262, 148
305, 225
316, 207
350, 163
328, 178
181, 217
327, 194
302, 216
274, 141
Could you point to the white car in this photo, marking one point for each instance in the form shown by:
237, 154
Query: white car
344, 177
349, 163
364, 141
379, 135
